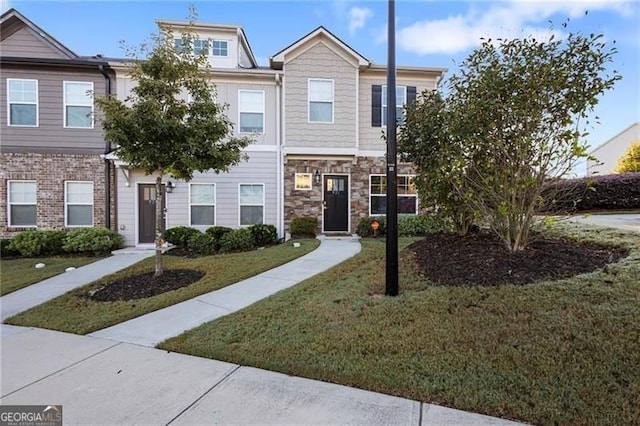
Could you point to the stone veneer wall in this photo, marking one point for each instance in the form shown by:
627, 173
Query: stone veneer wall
309, 203
50, 171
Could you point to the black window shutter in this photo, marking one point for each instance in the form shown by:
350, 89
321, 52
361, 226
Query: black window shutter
376, 105
411, 94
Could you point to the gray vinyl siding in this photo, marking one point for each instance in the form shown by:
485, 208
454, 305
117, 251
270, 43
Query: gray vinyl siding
25, 44
320, 62
50, 136
371, 137
259, 169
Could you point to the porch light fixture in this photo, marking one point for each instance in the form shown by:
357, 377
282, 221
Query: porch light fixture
316, 176
169, 187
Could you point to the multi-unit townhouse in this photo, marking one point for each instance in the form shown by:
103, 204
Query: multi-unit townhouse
52, 173
316, 114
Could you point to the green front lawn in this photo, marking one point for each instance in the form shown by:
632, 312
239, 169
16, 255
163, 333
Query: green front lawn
563, 352
20, 273
73, 312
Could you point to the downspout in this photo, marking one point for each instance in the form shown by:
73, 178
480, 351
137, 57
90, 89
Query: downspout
107, 163
279, 174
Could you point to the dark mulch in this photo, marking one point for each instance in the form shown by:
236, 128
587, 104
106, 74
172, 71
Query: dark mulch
146, 285
482, 259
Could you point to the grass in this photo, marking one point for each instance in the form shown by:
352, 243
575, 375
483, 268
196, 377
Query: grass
20, 273
73, 312
563, 352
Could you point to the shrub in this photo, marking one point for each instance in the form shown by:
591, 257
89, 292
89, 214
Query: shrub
92, 240
418, 225
217, 232
6, 249
630, 161
607, 192
364, 226
304, 227
237, 240
263, 235
180, 235
38, 243
203, 244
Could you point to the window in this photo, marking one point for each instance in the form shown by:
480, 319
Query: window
251, 204
22, 203
407, 199
220, 48
22, 100
202, 200
320, 101
401, 101
179, 45
200, 47
78, 104
303, 181
78, 203
251, 111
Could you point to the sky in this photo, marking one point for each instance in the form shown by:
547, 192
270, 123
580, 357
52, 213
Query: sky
429, 33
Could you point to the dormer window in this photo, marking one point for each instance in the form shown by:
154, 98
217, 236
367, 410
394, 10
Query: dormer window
220, 48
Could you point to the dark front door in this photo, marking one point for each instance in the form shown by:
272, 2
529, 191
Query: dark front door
336, 203
147, 213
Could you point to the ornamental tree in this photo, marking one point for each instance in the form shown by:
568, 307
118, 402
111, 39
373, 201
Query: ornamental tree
170, 123
517, 114
630, 161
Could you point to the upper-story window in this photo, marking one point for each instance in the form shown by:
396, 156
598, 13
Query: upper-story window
22, 101
78, 104
401, 101
179, 45
251, 107
320, 101
201, 47
220, 48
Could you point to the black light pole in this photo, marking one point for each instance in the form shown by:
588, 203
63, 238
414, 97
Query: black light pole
391, 288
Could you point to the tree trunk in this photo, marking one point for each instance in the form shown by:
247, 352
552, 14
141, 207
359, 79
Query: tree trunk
159, 227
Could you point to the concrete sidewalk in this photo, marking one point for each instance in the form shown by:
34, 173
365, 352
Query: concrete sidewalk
626, 222
153, 328
102, 382
35, 294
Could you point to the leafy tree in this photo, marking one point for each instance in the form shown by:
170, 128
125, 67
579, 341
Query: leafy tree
170, 123
518, 112
630, 161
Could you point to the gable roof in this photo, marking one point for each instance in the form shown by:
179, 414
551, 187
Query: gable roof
277, 61
12, 21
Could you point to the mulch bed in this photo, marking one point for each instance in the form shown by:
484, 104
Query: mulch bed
146, 285
482, 259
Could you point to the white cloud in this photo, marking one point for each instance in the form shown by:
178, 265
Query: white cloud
358, 17
512, 18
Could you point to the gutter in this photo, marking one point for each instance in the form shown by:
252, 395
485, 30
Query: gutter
107, 163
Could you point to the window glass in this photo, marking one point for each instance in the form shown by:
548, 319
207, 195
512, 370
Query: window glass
406, 193
251, 111
202, 200
79, 203
401, 100
78, 101
251, 204
22, 97
220, 48
320, 101
22, 203
200, 47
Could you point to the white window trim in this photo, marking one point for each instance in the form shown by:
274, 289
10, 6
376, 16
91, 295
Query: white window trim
383, 104
221, 41
303, 189
385, 194
9, 203
253, 112
263, 205
66, 204
64, 104
215, 209
333, 100
23, 103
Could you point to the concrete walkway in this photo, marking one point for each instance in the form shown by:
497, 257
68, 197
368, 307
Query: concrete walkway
153, 328
626, 222
102, 382
35, 294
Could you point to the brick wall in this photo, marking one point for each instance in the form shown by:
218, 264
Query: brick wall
50, 171
309, 203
